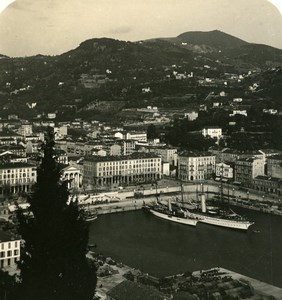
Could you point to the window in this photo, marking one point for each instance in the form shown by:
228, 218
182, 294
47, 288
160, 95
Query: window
9, 245
9, 253
2, 254
16, 252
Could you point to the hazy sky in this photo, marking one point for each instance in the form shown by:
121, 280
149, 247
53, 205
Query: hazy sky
29, 27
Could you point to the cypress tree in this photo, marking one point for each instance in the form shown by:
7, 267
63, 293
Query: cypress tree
53, 259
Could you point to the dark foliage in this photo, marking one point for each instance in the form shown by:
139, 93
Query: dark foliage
53, 263
152, 132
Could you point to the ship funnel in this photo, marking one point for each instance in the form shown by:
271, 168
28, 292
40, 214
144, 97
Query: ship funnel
203, 203
169, 205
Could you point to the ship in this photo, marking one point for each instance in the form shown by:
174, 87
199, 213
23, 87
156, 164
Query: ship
174, 215
90, 216
219, 217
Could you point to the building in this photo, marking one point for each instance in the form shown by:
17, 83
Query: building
224, 170
73, 175
195, 166
16, 178
61, 157
140, 136
191, 115
167, 153
246, 169
267, 184
128, 290
25, 130
9, 251
274, 166
242, 112
131, 169
213, 132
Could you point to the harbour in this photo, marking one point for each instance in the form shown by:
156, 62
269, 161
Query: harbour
163, 248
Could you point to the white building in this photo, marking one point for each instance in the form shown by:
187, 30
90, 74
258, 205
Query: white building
191, 116
224, 170
9, 251
16, 177
111, 170
213, 132
195, 166
73, 176
242, 112
140, 136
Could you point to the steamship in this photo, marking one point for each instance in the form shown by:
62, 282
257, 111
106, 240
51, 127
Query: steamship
219, 217
174, 215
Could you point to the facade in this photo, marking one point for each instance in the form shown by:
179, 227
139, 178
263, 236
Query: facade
246, 169
195, 166
16, 177
110, 170
9, 251
213, 132
274, 166
140, 136
267, 184
167, 154
224, 170
73, 175
25, 130
61, 157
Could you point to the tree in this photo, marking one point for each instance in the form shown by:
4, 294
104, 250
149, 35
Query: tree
53, 263
152, 132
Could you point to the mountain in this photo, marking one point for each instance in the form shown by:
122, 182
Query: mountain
223, 46
216, 39
108, 69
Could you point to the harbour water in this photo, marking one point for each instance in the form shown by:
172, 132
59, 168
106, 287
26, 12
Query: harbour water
163, 248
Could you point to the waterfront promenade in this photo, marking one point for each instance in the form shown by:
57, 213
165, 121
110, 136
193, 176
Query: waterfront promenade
133, 198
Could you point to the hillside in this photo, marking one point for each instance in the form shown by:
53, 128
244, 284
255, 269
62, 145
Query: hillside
215, 38
112, 70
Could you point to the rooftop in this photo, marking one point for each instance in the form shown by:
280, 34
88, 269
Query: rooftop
15, 165
194, 154
134, 291
6, 237
115, 158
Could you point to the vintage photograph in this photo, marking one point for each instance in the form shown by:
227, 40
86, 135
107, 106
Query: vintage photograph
140, 150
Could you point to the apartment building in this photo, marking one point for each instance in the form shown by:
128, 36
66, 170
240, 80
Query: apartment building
195, 166
224, 170
274, 166
140, 136
246, 169
16, 177
131, 169
9, 251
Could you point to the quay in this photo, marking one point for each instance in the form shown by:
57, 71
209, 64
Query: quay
112, 274
132, 198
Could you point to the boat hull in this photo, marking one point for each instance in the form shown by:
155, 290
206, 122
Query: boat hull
191, 222
90, 219
233, 224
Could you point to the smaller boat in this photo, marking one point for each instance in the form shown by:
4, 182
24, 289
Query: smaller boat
90, 214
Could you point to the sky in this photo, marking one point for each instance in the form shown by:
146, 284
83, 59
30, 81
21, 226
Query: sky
30, 27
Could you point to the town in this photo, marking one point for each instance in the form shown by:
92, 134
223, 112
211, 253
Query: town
125, 133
